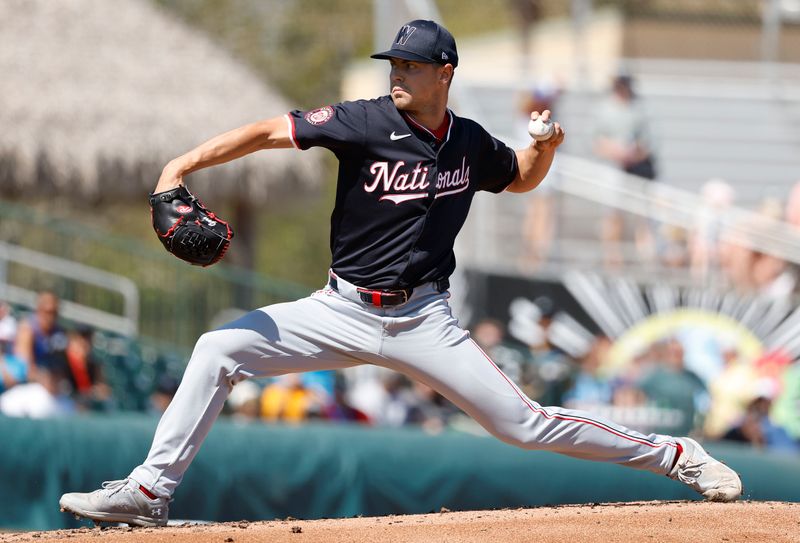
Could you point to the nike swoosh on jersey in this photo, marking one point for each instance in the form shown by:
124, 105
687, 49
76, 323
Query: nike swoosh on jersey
395, 137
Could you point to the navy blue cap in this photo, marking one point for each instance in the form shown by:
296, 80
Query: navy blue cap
423, 41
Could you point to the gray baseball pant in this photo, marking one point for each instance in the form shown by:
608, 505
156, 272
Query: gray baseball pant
421, 338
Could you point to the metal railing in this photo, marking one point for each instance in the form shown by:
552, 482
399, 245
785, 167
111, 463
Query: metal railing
126, 324
495, 225
667, 204
670, 205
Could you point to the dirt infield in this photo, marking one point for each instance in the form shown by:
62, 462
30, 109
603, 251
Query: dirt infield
681, 522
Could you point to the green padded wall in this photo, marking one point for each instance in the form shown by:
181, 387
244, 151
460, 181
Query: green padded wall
257, 471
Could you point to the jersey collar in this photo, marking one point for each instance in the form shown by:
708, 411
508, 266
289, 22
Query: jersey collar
441, 134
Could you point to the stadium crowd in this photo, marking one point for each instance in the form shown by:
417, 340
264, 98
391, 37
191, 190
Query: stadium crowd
47, 370
656, 391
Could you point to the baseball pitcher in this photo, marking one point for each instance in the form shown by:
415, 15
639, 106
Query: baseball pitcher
408, 170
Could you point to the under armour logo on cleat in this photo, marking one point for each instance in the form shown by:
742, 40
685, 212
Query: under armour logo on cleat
395, 137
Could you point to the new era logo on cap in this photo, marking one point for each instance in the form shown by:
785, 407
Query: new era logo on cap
423, 41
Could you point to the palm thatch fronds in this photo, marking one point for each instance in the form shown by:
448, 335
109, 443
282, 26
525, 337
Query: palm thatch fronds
97, 95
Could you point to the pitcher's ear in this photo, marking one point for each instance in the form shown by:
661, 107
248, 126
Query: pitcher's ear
447, 73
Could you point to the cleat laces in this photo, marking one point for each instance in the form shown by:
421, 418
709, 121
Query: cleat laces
114, 486
689, 473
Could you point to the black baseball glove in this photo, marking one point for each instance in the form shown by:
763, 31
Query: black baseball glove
187, 229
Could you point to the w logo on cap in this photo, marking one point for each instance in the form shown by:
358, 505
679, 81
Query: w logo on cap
404, 34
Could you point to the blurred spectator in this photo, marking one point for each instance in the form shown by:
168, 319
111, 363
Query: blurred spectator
539, 226
589, 388
340, 409
737, 264
622, 133
8, 328
704, 244
728, 391
12, 371
431, 410
322, 382
544, 95
641, 365
166, 387
365, 390
622, 137
399, 402
772, 277
792, 212
786, 407
41, 342
84, 373
40, 346
244, 401
288, 399
538, 229
525, 13
490, 334
749, 269
627, 395
669, 385
42, 398
673, 250
772, 365
756, 426
627, 398
549, 371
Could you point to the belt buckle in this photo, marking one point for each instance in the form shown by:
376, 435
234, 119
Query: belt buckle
401, 292
371, 296
405, 296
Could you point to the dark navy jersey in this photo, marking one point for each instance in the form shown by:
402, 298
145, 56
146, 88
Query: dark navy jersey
402, 196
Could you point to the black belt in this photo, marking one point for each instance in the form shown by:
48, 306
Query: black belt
386, 298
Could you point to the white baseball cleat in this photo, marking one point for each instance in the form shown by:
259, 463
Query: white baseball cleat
708, 476
117, 501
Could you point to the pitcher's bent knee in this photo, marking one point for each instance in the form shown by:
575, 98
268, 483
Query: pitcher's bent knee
512, 436
212, 354
517, 427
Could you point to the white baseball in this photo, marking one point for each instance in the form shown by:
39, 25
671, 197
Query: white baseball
540, 130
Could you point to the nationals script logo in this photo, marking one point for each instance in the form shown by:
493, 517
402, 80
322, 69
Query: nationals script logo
402, 184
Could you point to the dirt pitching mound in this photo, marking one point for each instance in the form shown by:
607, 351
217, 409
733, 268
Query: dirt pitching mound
681, 522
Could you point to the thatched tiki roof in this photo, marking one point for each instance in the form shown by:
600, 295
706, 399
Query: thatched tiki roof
97, 95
